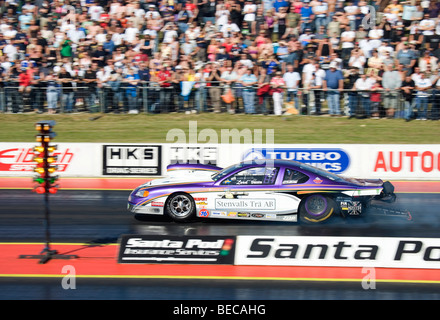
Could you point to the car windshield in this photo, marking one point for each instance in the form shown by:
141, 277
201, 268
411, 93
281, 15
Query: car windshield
219, 175
321, 172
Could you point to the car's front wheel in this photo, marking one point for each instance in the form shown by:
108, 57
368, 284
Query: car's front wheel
180, 207
316, 208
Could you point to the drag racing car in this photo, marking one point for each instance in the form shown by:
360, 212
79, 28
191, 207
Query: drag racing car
276, 190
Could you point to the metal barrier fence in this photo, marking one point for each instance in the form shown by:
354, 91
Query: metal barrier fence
215, 97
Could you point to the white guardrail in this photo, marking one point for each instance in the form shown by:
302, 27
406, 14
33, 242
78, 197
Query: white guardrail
392, 162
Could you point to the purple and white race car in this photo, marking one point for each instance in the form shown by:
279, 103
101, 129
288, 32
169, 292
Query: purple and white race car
280, 190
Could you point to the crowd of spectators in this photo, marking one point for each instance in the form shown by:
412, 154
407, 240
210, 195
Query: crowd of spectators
248, 56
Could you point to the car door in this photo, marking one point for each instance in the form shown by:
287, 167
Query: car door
252, 192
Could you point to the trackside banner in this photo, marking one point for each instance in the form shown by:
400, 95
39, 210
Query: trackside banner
388, 162
73, 159
177, 249
422, 253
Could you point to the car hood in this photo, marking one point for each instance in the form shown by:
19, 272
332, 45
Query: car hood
182, 176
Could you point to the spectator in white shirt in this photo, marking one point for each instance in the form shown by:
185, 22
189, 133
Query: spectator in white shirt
152, 13
423, 84
347, 39
95, 11
351, 10
357, 60
427, 26
364, 85
249, 11
376, 36
292, 79
130, 32
229, 28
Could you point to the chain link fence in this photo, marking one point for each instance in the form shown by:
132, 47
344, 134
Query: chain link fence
197, 97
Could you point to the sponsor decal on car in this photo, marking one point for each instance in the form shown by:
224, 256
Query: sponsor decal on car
317, 180
200, 199
254, 204
243, 214
219, 213
204, 213
157, 204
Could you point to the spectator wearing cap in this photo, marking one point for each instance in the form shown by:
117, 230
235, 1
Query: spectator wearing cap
406, 57
333, 83
306, 38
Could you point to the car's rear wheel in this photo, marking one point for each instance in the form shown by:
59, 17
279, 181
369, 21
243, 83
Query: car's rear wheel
180, 207
316, 208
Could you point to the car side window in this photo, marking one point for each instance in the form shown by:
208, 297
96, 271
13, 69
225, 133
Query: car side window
294, 177
253, 176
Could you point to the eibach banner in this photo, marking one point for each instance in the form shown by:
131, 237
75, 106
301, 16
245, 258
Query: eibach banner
73, 159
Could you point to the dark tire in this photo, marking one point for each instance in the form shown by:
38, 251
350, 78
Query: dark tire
316, 208
180, 207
